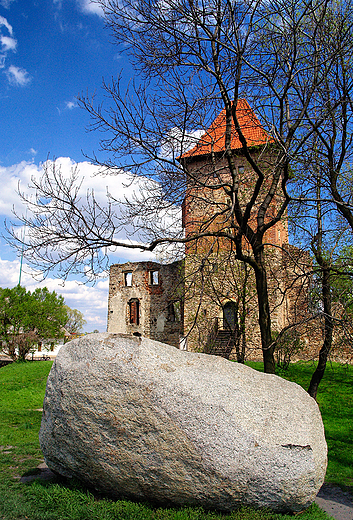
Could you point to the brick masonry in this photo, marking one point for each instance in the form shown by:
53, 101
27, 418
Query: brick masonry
183, 304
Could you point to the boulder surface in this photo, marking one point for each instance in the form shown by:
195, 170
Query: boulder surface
136, 418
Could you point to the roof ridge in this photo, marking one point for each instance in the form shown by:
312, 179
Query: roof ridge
213, 140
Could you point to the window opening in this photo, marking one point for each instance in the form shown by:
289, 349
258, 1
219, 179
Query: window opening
128, 279
134, 312
171, 313
154, 277
174, 311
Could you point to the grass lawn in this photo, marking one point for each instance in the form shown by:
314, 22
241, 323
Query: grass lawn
22, 389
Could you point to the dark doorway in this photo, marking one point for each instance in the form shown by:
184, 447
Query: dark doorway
230, 316
134, 311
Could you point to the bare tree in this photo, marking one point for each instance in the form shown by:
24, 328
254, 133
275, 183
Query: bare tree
320, 227
326, 179
194, 59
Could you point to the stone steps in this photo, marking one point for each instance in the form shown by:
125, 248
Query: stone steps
223, 344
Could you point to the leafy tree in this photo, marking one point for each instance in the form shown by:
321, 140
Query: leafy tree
75, 320
28, 318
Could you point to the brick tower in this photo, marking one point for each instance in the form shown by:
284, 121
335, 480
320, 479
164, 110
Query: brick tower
220, 306
215, 305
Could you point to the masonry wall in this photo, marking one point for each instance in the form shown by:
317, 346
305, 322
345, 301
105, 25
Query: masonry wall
145, 298
206, 200
189, 297
212, 282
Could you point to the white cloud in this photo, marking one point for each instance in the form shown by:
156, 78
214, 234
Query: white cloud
11, 178
21, 173
121, 186
5, 23
17, 76
177, 141
91, 7
9, 273
8, 43
71, 104
92, 301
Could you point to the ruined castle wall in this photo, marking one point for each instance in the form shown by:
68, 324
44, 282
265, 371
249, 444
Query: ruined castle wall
222, 278
145, 299
208, 288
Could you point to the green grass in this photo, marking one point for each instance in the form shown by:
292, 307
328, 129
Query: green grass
22, 389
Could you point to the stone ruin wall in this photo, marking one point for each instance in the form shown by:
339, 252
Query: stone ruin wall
160, 313
155, 321
289, 287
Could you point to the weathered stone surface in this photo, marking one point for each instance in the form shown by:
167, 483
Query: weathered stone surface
137, 418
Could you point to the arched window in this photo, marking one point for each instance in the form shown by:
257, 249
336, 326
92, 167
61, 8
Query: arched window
134, 311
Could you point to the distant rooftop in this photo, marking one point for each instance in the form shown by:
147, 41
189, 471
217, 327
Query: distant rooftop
213, 140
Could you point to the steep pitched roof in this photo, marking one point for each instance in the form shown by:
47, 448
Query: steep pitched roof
213, 140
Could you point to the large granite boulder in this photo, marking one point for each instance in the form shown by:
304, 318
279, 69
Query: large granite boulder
136, 418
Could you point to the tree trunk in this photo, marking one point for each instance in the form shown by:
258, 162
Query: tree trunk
236, 339
264, 315
242, 320
328, 332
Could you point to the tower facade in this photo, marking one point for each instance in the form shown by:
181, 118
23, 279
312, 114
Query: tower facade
222, 181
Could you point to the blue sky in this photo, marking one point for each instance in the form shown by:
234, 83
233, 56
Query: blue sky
50, 52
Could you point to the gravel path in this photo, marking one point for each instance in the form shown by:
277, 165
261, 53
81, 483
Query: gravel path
337, 503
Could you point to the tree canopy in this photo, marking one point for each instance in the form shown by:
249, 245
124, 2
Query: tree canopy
75, 320
27, 318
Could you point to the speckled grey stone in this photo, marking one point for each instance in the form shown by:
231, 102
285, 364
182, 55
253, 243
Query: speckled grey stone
136, 418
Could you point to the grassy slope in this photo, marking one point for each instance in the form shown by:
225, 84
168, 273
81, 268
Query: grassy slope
21, 395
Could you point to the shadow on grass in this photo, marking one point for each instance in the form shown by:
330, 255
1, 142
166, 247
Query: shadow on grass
52, 496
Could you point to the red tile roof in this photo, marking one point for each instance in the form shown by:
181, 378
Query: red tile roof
214, 139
